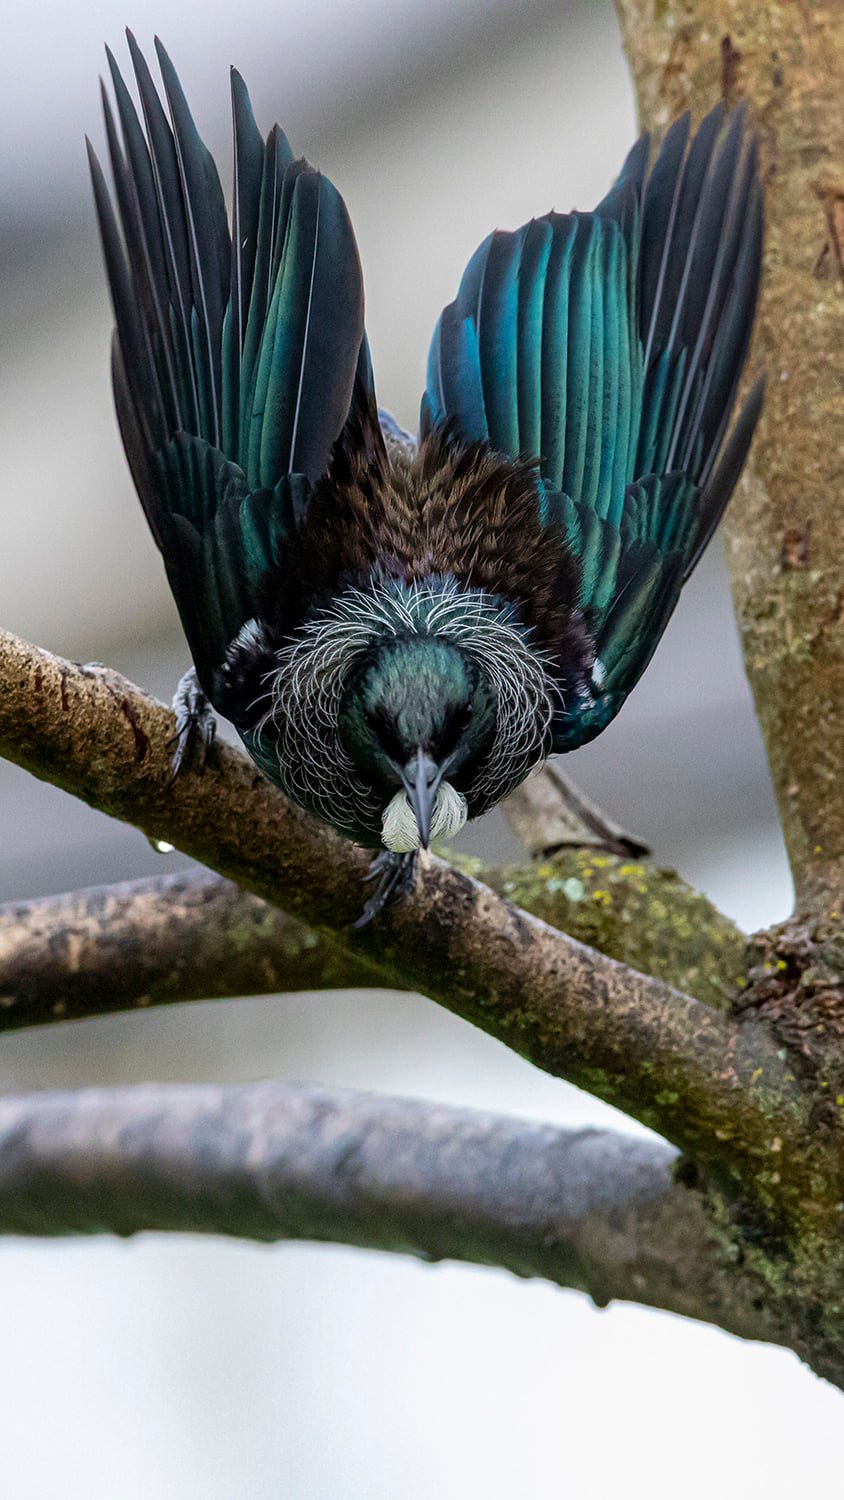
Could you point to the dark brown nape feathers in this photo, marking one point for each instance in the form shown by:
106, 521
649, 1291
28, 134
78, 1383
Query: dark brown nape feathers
447, 508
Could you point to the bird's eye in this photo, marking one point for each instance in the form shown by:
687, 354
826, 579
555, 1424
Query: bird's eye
386, 736
456, 726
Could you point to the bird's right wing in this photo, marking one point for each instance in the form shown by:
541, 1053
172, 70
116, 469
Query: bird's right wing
608, 346
236, 352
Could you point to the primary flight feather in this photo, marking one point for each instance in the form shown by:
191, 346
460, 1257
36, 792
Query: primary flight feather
401, 629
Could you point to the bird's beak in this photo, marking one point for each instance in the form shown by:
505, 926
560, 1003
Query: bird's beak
421, 777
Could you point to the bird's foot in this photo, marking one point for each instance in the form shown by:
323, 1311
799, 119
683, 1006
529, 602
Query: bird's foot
394, 874
195, 724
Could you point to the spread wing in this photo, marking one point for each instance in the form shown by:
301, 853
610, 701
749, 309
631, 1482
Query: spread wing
609, 346
235, 350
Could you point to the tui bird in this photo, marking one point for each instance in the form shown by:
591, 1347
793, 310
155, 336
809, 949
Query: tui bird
401, 629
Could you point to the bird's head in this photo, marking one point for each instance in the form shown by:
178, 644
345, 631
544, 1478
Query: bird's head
416, 719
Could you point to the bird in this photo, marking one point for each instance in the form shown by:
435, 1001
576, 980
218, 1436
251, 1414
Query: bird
401, 627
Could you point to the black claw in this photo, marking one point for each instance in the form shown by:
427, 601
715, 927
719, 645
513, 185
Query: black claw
394, 873
380, 864
209, 735
195, 724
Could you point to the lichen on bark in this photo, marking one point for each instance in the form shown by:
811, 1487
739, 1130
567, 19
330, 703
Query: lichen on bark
635, 912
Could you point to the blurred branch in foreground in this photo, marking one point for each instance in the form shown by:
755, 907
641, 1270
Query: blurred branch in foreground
588, 1209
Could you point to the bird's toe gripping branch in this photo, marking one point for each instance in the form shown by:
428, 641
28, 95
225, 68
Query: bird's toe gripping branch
394, 874
195, 724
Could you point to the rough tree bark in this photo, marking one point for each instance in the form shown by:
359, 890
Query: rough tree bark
734, 1056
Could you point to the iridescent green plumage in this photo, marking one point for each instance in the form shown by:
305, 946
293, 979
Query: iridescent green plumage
235, 353
382, 617
610, 346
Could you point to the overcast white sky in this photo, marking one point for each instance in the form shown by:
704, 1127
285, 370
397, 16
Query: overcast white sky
301, 59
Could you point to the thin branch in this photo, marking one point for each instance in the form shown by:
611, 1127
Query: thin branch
548, 812
196, 936
187, 936
588, 1209
785, 527
719, 1089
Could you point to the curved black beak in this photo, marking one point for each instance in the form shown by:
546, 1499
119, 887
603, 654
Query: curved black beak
421, 777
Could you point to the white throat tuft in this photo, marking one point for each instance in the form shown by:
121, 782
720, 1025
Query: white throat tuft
400, 831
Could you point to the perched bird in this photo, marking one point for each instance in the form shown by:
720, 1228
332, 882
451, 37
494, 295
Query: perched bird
401, 629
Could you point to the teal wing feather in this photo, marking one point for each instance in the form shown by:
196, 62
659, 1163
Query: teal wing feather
236, 351
608, 346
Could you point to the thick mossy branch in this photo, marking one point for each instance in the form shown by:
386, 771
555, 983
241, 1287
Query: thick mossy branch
587, 880
635, 912
718, 1089
786, 526
588, 1209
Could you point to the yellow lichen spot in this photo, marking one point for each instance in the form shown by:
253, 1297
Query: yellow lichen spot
839, 1099
756, 1075
600, 861
819, 848
781, 964
601, 898
545, 871
628, 870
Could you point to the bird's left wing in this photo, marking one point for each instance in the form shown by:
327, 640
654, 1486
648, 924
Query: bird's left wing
608, 346
236, 351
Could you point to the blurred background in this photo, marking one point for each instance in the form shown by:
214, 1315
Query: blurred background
188, 1368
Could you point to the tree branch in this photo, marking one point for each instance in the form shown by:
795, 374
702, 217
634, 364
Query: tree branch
785, 528
719, 1089
634, 912
196, 936
187, 936
588, 1209
548, 812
